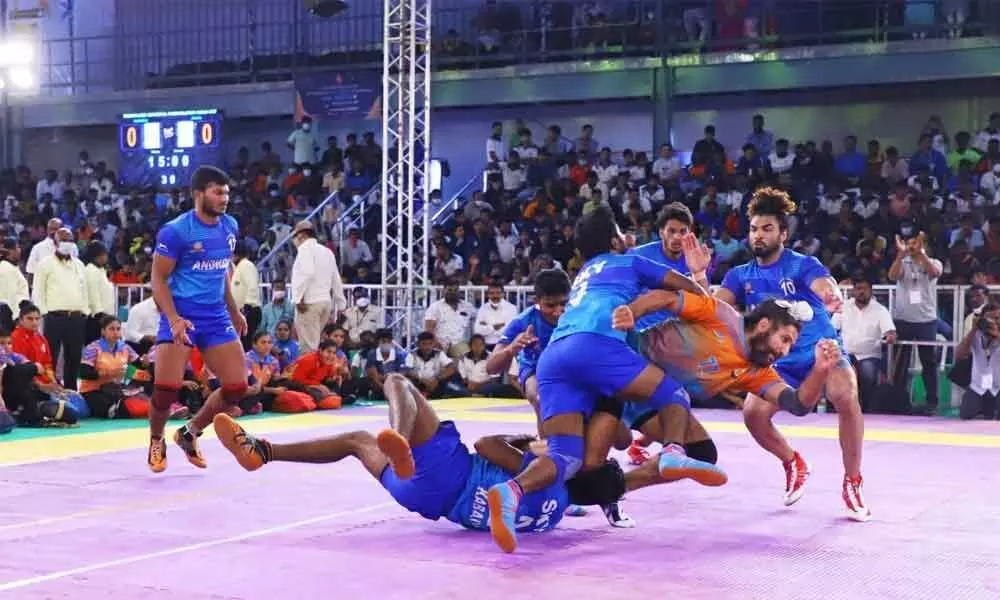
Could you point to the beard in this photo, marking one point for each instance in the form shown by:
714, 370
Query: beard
761, 354
765, 250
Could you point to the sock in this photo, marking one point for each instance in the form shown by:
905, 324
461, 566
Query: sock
516, 488
191, 430
265, 450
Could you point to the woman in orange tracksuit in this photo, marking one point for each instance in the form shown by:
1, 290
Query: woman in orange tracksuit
317, 374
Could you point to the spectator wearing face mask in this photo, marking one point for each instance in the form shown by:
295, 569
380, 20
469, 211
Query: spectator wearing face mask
493, 316
304, 144
362, 317
277, 310
60, 292
44, 248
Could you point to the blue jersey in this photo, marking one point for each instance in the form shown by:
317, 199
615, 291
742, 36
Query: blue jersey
604, 283
539, 511
527, 358
789, 278
203, 256
654, 252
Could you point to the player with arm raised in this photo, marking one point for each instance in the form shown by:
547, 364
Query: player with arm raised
779, 273
191, 288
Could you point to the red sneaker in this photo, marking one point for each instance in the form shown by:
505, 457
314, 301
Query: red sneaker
857, 510
797, 472
637, 454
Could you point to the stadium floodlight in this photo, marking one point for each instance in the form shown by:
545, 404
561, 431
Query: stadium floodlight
15, 51
21, 78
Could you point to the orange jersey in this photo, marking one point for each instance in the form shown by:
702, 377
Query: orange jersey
704, 349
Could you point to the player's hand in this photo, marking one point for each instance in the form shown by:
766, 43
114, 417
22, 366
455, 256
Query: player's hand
833, 301
179, 329
524, 339
623, 319
827, 355
900, 245
698, 256
239, 323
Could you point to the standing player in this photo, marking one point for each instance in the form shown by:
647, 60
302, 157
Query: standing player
191, 287
422, 462
524, 339
777, 272
588, 359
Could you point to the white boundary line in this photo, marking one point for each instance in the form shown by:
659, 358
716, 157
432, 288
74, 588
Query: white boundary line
29, 581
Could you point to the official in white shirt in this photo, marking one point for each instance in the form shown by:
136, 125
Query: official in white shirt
100, 290
43, 248
493, 316
60, 292
317, 290
13, 284
142, 326
246, 290
865, 325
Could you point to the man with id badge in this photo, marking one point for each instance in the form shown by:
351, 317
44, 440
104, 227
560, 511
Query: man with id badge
915, 309
981, 344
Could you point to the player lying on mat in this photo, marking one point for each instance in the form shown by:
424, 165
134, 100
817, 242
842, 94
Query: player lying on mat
587, 359
422, 462
524, 339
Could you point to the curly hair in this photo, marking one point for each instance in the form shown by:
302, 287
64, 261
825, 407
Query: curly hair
771, 202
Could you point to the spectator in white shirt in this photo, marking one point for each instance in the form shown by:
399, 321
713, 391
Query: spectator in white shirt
50, 185
142, 326
355, 251
781, 160
362, 317
493, 316
990, 132
317, 291
496, 150
449, 319
865, 325
100, 290
446, 262
13, 285
989, 184
667, 166
304, 143
506, 239
513, 173
43, 248
526, 149
430, 369
472, 371
246, 291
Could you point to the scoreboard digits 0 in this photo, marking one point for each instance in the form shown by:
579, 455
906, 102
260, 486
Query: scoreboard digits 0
164, 148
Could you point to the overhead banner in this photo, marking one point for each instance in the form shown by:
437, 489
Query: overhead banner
336, 95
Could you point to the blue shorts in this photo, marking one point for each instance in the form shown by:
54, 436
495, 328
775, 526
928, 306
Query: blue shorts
635, 414
443, 464
577, 370
211, 328
524, 374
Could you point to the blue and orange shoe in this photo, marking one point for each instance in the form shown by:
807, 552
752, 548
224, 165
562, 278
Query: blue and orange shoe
503, 500
675, 464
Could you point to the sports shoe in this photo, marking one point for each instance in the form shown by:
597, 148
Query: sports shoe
675, 464
617, 517
797, 472
179, 411
157, 456
397, 450
188, 442
637, 454
251, 452
575, 510
502, 501
857, 510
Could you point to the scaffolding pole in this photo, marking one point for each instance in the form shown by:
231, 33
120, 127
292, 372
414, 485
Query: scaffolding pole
406, 122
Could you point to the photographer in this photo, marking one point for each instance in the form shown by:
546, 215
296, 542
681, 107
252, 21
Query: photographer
981, 344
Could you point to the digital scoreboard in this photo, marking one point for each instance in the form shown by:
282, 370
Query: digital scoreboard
165, 148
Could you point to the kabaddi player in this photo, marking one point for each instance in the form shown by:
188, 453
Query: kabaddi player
191, 288
777, 272
422, 462
587, 359
523, 339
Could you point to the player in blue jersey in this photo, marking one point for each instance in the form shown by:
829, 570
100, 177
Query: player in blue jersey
524, 338
191, 287
588, 359
422, 462
674, 224
777, 272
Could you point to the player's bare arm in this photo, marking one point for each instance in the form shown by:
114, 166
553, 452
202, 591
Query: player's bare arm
503, 354
827, 290
810, 391
624, 317
499, 450
726, 296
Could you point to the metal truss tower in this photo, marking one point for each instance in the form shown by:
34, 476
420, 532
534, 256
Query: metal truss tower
406, 123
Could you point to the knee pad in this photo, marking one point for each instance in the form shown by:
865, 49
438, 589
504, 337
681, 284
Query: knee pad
232, 393
165, 395
704, 451
566, 451
668, 393
603, 485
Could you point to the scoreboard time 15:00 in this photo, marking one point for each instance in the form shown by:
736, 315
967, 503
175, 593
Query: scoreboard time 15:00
164, 148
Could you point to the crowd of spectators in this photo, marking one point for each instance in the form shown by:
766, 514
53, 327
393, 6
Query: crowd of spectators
857, 209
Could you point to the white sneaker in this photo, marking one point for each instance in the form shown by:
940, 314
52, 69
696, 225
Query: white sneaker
617, 517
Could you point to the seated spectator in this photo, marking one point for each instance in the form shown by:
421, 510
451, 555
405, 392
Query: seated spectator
28, 341
341, 383
278, 309
317, 373
472, 370
493, 316
361, 317
285, 348
980, 346
107, 367
263, 368
18, 401
431, 369
448, 320
386, 358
